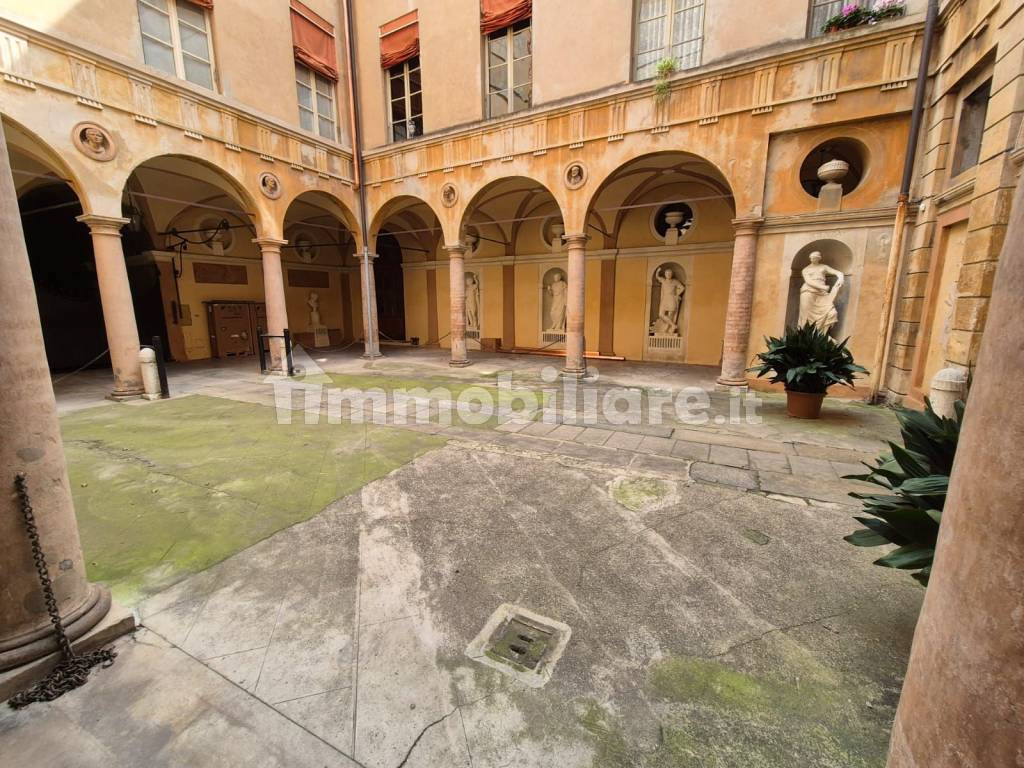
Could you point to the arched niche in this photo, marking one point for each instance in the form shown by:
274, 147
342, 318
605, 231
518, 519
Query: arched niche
839, 256
474, 307
554, 295
666, 335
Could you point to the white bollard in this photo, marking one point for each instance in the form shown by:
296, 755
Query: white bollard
150, 374
948, 386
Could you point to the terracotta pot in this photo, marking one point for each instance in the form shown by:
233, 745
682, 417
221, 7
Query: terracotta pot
804, 405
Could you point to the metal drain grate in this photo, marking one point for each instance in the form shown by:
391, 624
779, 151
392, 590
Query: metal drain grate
521, 644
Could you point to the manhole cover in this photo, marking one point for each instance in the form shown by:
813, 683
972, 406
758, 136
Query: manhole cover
521, 644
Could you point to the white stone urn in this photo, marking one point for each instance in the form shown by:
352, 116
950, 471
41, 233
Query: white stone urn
674, 218
833, 171
557, 230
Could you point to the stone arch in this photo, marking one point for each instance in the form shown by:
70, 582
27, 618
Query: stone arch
421, 225
837, 255
312, 211
26, 143
507, 208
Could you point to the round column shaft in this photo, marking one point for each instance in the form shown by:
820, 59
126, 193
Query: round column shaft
741, 298
575, 362
457, 299
273, 295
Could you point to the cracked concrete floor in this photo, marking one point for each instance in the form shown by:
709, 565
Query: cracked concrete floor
711, 627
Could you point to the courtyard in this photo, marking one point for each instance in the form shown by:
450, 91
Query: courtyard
307, 592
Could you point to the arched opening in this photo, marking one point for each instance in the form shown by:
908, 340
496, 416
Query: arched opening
320, 274
667, 218
196, 275
516, 266
411, 297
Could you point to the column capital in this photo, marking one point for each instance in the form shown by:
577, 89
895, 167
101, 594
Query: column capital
748, 226
103, 225
576, 239
456, 251
269, 243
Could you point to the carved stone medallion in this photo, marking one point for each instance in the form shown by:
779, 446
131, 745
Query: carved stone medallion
93, 140
449, 195
270, 185
575, 175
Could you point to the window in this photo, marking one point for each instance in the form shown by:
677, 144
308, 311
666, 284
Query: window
176, 39
668, 29
971, 128
822, 11
509, 69
316, 102
405, 96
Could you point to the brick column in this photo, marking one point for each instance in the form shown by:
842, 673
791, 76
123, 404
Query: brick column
741, 297
32, 444
961, 702
273, 295
118, 309
368, 290
575, 362
457, 300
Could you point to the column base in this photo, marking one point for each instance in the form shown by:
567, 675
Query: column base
731, 385
119, 395
574, 373
371, 355
459, 363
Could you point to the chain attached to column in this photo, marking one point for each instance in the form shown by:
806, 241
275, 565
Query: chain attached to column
73, 670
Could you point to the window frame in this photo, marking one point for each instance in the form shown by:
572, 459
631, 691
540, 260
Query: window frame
509, 33
967, 88
315, 78
178, 52
812, 31
406, 98
667, 43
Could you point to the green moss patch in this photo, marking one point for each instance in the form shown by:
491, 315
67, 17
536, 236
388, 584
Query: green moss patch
168, 489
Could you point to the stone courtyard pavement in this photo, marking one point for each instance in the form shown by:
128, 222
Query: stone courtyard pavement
717, 617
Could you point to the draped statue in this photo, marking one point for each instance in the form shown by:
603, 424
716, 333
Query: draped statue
558, 290
817, 300
671, 298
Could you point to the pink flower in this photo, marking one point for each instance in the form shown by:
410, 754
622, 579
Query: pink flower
851, 8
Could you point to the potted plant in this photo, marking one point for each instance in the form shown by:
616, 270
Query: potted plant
807, 361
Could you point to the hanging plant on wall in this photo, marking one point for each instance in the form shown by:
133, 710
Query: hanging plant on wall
663, 74
854, 15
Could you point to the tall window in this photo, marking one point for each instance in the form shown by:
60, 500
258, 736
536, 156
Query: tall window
405, 96
509, 69
668, 29
316, 102
822, 11
971, 128
176, 39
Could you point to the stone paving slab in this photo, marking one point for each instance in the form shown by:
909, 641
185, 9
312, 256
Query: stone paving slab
717, 473
729, 456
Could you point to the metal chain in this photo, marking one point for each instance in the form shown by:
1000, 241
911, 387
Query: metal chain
73, 670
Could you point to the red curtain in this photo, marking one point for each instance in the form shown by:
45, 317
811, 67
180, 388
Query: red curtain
498, 14
400, 40
207, 4
313, 41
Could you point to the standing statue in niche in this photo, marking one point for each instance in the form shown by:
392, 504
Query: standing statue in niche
817, 300
313, 302
472, 303
672, 290
558, 290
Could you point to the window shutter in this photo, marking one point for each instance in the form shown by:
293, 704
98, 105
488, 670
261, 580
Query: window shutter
313, 41
400, 40
498, 14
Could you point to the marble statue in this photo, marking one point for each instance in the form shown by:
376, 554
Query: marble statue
817, 300
672, 289
313, 302
558, 290
472, 303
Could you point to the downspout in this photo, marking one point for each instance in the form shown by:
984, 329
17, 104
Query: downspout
886, 324
371, 348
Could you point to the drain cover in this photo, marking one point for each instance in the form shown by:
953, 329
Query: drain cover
521, 644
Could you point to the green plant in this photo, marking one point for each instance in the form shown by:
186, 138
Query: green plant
854, 15
807, 359
663, 72
917, 476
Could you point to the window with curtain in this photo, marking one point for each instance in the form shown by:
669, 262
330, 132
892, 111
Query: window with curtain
405, 99
509, 69
822, 11
317, 112
668, 29
176, 39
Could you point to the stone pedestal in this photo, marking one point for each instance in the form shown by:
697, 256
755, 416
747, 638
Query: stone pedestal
961, 702
273, 296
32, 444
321, 337
575, 362
457, 297
116, 298
741, 297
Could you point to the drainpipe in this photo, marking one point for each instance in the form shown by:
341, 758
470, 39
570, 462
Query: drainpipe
371, 344
886, 324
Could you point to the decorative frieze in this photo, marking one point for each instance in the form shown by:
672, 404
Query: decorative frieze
540, 136
190, 118
661, 112
448, 156
476, 150
898, 66
710, 100
577, 128
265, 144
826, 83
764, 90
142, 101
15, 61
508, 148
83, 81
617, 120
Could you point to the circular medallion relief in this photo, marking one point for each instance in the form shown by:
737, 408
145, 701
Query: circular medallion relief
575, 175
93, 140
270, 185
449, 195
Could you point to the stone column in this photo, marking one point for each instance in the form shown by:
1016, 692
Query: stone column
368, 289
118, 309
961, 702
741, 298
32, 444
273, 296
457, 299
575, 363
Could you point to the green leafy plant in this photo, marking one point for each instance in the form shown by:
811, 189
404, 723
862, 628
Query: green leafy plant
916, 476
663, 73
854, 15
807, 359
